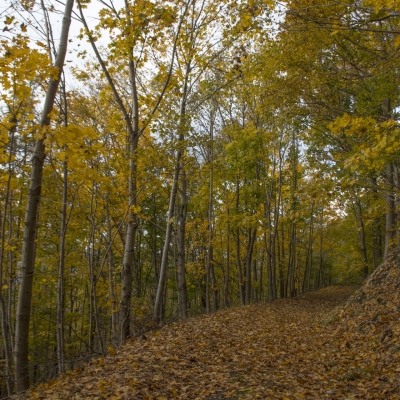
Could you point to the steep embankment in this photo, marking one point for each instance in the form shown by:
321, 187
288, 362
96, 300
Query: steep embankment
366, 338
290, 349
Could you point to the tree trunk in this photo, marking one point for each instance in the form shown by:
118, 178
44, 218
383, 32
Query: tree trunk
168, 233
268, 243
178, 167
181, 278
238, 258
249, 255
290, 280
361, 235
210, 250
4, 287
114, 322
31, 219
281, 254
376, 232
396, 188
228, 251
308, 266
60, 283
129, 251
132, 126
321, 264
90, 255
390, 212
61, 266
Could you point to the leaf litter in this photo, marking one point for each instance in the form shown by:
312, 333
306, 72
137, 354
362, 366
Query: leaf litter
309, 347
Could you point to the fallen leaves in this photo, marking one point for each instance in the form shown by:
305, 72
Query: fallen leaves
298, 348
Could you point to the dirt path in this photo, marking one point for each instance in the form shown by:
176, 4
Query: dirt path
267, 351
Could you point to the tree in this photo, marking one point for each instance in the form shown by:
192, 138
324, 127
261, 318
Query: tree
31, 217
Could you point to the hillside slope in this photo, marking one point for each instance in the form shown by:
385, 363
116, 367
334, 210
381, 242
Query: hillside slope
366, 337
290, 349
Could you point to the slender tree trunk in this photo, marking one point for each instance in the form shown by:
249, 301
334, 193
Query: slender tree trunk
181, 278
5, 318
228, 251
238, 258
182, 290
154, 245
168, 233
268, 243
28, 249
307, 271
211, 284
255, 277
396, 188
210, 248
361, 235
207, 294
61, 266
376, 232
129, 251
292, 261
261, 280
96, 316
132, 126
91, 261
290, 283
11, 300
60, 283
390, 212
321, 261
270, 238
7, 347
272, 269
4, 287
114, 322
178, 167
281, 253
252, 234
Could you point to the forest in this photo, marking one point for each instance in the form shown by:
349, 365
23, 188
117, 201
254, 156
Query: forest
175, 158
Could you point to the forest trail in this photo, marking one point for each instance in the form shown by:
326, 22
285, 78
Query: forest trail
302, 348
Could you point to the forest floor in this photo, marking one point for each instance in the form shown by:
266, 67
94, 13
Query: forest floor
316, 346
